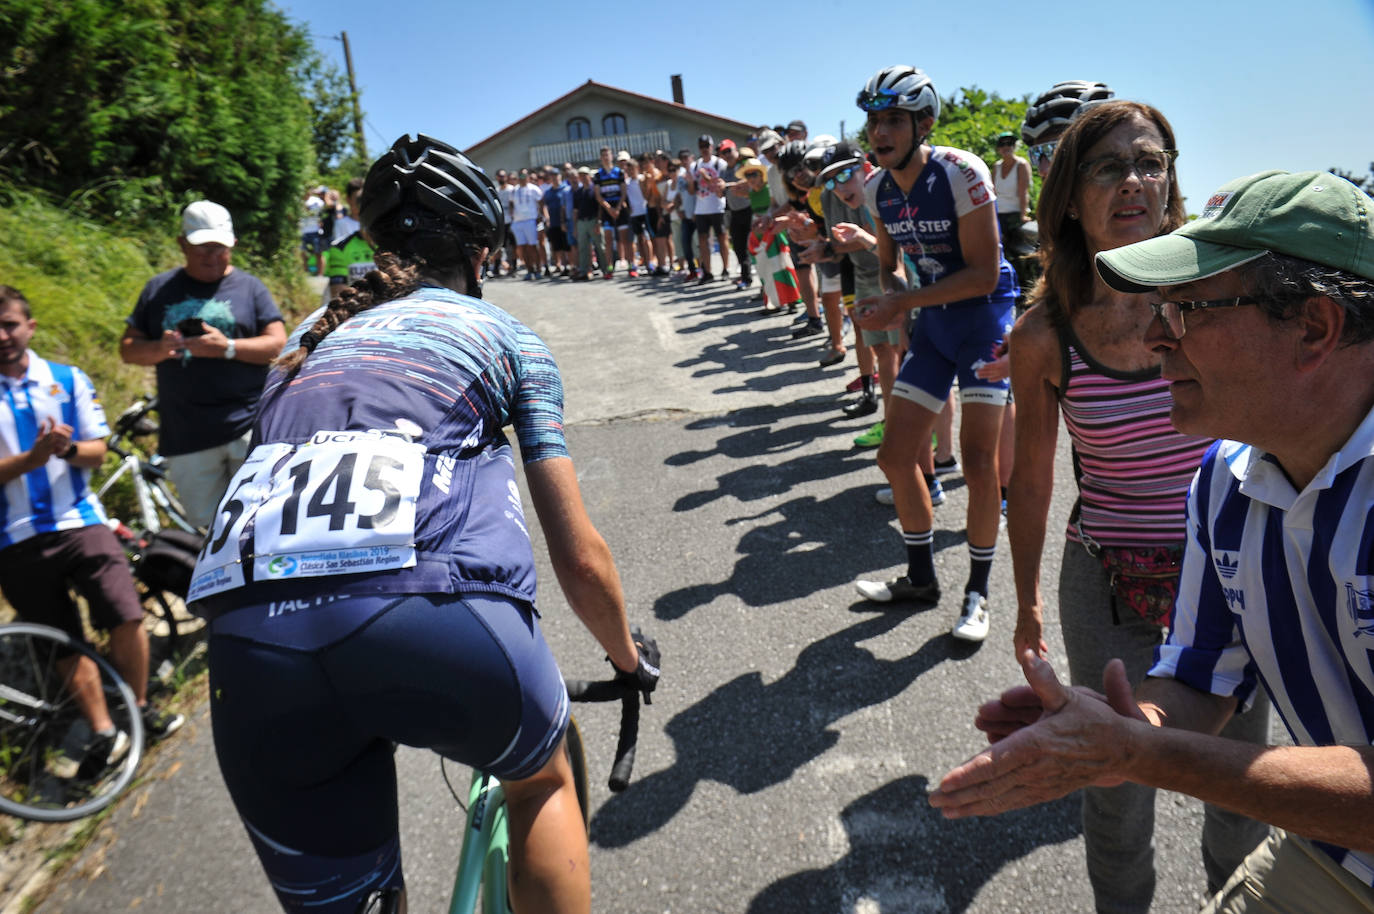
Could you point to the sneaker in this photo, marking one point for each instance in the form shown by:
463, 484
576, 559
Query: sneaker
937, 492
937, 495
943, 467
102, 753
547, 274
529, 276
160, 724
899, 590
607, 274
810, 328
973, 619
884, 496
741, 285
863, 406
705, 278
871, 438
634, 274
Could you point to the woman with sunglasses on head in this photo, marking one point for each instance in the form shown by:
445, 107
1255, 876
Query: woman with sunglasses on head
1080, 349
934, 207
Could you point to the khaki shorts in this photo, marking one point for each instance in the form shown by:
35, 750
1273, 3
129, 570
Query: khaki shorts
1287, 875
201, 477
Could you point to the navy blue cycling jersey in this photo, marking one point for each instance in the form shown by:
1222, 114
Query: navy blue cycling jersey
612, 183
925, 221
383, 465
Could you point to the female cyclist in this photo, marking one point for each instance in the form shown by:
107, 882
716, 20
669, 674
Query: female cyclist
370, 578
1080, 349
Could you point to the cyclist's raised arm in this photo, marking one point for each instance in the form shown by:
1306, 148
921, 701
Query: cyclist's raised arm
581, 559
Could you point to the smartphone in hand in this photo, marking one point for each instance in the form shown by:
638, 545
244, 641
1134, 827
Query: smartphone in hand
191, 326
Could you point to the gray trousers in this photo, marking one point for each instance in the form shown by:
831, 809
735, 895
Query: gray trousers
1119, 822
588, 237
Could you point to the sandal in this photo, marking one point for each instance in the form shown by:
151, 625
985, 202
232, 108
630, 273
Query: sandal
833, 356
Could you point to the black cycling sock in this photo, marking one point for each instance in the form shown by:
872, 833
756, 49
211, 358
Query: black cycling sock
920, 555
980, 567
867, 382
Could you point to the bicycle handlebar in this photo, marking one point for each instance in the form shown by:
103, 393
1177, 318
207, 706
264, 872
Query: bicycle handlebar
628, 695
134, 421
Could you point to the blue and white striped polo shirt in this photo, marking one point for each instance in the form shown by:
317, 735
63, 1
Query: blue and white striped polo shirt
1279, 584
56, 496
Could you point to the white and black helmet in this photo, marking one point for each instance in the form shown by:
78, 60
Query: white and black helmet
1054, 109
816, 151
901, 87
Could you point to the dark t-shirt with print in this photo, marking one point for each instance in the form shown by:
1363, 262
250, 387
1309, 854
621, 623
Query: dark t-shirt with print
205, 402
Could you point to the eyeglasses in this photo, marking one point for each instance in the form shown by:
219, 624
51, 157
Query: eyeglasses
1112, 170
1170, 313
1042, 153
876, 101
841, 177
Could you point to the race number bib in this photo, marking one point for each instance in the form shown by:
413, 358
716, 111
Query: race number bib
341, 503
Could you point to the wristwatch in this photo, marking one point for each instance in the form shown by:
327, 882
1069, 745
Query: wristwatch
69, 453
229, 353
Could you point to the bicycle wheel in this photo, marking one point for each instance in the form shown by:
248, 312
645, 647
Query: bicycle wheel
43, 735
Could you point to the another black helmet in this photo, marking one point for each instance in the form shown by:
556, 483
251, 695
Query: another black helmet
424, 187
1054, 109
793, 154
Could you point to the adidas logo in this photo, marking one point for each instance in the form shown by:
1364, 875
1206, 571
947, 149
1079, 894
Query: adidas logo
1226, 566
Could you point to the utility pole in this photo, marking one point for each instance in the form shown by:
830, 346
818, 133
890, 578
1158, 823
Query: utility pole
357, 110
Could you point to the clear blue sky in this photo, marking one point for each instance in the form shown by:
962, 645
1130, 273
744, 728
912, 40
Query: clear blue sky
1247, 84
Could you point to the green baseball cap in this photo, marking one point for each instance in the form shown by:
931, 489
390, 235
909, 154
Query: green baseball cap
1311, 215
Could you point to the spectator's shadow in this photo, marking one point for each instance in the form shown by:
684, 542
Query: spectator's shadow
750, 735
903, 856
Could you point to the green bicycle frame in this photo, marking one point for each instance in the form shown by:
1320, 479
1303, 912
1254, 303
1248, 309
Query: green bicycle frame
485, 849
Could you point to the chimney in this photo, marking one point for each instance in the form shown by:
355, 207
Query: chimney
677, 88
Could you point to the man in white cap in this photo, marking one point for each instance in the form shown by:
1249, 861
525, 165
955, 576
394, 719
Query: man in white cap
211, 330
1264, 322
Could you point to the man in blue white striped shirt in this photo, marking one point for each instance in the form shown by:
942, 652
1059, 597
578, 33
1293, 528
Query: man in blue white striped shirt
52, 527
1265, 328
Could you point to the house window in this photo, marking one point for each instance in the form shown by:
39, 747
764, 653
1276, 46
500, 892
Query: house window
613, 125
579, 128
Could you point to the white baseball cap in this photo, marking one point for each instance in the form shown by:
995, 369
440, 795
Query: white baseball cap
204, 222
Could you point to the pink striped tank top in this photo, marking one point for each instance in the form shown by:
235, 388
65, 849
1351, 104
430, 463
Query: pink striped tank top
1133, 469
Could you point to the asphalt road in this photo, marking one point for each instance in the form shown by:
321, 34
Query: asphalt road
785, 763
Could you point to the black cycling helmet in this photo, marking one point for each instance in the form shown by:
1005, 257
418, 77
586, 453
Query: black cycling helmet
1055, 108
793, 154
906, 88
427, 199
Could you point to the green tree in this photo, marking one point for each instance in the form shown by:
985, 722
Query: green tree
127, 109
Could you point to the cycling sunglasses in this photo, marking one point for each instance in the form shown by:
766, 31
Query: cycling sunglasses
877, 101
841, 177
1044, 152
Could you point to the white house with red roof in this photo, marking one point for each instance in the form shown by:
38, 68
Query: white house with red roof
574, 127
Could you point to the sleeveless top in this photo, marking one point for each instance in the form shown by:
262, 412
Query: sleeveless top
1133, 468
1008, 200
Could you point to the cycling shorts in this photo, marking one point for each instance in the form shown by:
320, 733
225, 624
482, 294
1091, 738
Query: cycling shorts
640, 226
525, 232
621, 221
953, 342
305, 738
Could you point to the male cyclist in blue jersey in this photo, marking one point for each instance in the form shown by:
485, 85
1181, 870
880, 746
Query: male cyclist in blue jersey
370, 578
934, 205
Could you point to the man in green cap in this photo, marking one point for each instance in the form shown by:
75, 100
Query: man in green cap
1265, 330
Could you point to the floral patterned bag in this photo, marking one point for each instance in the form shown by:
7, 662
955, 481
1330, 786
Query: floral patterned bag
1145, 578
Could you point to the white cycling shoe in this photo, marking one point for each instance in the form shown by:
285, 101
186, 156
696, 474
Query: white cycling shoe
973, 619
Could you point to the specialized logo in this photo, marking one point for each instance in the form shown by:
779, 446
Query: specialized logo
283, 566
1225, 564
1360, 604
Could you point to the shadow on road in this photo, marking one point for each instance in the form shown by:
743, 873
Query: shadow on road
954, 860
750, 735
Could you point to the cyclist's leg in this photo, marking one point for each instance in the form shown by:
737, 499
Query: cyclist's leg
922, 384
548, 868
983, 404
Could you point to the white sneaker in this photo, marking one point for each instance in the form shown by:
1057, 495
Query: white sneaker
884, 496
973, 620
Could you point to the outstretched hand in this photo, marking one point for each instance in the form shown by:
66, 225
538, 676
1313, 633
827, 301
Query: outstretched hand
1048, 739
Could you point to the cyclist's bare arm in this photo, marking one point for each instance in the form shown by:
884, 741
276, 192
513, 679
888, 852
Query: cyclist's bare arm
581, 559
